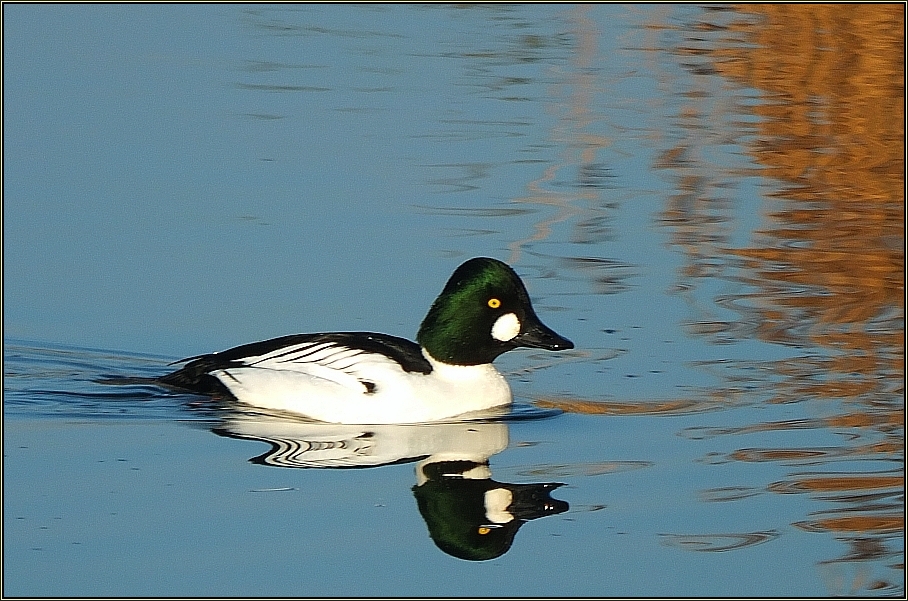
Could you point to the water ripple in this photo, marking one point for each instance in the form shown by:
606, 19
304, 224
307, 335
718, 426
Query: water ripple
717, 542
596, 468
34, 373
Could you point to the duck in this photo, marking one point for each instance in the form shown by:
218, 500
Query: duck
483, 310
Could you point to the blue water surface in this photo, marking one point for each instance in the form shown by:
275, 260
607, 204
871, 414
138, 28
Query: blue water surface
183, 178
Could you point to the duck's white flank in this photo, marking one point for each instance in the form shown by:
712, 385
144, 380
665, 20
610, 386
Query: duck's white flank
329, 384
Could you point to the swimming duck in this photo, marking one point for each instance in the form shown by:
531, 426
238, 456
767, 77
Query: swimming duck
368, 378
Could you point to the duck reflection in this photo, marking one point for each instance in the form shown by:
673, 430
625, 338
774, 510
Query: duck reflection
473, 517
468, 514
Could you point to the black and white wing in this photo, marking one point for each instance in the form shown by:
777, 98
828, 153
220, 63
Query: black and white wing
346, 358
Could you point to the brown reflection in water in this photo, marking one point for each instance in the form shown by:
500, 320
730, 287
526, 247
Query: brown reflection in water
839, 483
829, 271
860, 523
815, 454
886, 423
826, 270
671, 407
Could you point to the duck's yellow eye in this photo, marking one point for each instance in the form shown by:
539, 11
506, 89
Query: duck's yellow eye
483, 529
494, 303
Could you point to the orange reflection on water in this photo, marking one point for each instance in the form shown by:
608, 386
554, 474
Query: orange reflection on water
856, 523
617, 408
826, 270
830, 269
837, 483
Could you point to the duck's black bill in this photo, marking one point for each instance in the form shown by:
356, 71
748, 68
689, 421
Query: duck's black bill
541, 336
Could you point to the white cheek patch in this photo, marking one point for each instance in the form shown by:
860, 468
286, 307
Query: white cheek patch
506, 327
496, 502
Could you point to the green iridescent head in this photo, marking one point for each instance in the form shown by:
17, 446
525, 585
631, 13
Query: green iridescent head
483, 311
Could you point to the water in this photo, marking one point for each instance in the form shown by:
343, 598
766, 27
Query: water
708, 201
